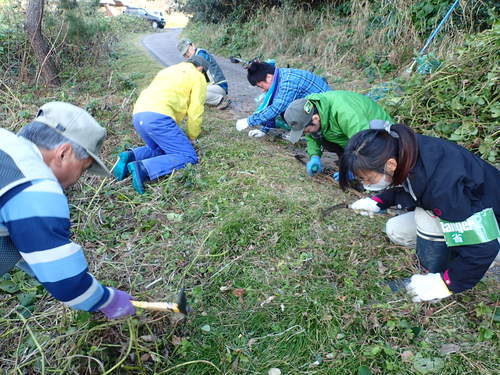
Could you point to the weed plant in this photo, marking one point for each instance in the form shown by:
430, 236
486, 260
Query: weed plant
77, 34
271, 283
461, 100
339, 39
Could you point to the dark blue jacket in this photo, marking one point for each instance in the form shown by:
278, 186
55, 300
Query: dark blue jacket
454, 184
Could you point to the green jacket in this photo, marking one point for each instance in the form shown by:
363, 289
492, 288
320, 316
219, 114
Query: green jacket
343, 114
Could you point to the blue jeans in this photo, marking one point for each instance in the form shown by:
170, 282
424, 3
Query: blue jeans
167, 146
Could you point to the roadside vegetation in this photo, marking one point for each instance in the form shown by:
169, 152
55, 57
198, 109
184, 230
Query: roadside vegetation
369, 46
273, 284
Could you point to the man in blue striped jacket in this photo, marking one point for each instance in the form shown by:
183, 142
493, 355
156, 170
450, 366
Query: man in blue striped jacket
47, 155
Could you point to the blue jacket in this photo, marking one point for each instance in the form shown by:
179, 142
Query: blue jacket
35, 225
215, 74
454, 184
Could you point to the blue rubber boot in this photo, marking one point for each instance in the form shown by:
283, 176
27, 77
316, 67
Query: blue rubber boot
121, 170
139, 175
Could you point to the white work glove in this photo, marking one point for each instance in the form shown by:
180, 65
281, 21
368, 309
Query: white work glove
427, 287
256, 133
242, 124
365, 206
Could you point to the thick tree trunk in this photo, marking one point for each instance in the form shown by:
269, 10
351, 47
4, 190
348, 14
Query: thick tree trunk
33, 27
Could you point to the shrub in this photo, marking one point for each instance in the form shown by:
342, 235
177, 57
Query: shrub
461, 100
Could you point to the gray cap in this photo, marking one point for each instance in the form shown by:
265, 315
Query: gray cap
199, 61
298, 115
183, 46
78, 126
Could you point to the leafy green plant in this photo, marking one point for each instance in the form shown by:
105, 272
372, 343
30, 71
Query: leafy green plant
461, 100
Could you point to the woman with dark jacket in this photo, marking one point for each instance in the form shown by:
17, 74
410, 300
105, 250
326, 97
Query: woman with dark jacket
454, 196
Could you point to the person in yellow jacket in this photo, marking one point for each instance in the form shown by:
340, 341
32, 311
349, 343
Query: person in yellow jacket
176, 92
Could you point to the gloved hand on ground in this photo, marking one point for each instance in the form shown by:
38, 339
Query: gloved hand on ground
365, 207
119, 306
242, 124
256, 133
314, 165
427, 287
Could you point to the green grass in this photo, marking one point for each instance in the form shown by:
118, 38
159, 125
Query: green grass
271, 283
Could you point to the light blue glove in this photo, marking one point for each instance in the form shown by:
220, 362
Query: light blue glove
314, 165
350, 176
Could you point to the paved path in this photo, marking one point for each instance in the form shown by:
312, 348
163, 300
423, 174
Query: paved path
163, 46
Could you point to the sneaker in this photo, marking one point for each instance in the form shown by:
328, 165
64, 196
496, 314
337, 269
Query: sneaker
120, 171
139, 175
224, 103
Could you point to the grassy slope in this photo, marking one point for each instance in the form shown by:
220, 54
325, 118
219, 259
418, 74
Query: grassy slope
271, 283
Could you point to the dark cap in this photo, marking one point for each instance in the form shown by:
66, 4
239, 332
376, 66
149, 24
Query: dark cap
199, 61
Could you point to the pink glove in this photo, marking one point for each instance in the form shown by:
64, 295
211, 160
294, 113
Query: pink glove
118, 305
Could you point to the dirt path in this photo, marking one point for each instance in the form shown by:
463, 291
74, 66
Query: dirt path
163, 46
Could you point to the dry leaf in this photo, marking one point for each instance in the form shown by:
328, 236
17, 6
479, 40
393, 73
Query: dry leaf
251, 342
268, 300
176, 340
449, 348
239, 292
148, 338
406, 356
381, 267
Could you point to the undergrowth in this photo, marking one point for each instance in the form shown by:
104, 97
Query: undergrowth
461, 100
272, 284
375, 43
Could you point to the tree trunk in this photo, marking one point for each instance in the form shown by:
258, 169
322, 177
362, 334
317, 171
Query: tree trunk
33, 27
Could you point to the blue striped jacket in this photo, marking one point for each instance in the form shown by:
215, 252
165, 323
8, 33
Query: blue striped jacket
35, 224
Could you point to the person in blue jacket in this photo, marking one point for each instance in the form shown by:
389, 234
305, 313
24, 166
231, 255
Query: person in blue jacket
454, 194
46, 156
282, 86
217, 88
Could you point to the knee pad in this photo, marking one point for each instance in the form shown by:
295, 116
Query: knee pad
401, 231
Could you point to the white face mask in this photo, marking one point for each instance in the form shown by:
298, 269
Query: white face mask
381, 184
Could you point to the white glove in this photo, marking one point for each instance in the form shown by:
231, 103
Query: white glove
365, 206
427, 287
256, 133
242, 124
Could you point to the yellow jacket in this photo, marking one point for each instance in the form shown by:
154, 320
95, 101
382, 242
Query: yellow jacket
177, 91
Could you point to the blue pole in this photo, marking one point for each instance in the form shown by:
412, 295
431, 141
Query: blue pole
443, 21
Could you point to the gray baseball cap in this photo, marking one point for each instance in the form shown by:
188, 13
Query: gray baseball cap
78, 126
183, 46
298, 115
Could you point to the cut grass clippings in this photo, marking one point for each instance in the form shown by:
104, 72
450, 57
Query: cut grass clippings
272, 285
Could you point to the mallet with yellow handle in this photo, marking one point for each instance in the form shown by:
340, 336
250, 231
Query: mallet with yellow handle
180, 306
